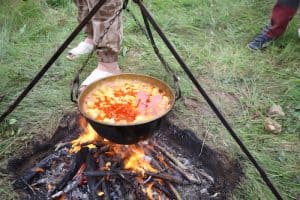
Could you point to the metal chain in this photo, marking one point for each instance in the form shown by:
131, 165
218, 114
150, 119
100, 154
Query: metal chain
76, 80
148, 33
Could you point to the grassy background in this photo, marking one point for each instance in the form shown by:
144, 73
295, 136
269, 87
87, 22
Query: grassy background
210, 35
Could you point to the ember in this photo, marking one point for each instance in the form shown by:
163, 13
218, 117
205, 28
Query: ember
90, 167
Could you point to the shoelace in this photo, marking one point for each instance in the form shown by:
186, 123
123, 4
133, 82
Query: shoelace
262, 38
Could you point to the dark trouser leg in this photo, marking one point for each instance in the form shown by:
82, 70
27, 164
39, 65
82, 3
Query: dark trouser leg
282, 13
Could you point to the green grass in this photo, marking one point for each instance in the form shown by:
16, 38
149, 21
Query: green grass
210, 35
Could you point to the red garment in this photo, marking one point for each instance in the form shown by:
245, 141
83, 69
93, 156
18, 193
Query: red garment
282, 13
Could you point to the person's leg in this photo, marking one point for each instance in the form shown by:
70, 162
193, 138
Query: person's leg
109, 48
88, 44
282, 13
82, 11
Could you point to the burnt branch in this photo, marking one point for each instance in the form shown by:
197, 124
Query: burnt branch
39, 167
186, 175
123, 173
77, 162
101, 164
91, 165
170, 156
174, 191
68, 188
164, 190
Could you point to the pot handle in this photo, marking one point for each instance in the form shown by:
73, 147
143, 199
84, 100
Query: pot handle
75, 89
177, 89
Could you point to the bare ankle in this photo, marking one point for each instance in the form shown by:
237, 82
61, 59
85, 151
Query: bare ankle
109, 67
89, 40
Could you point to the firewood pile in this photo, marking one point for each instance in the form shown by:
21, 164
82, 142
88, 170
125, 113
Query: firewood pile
90, 167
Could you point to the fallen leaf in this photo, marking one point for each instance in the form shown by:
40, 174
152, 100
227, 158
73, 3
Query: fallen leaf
275, 110
191, 103
272, 126
12, 121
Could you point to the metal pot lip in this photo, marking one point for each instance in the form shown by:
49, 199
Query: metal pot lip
131, 124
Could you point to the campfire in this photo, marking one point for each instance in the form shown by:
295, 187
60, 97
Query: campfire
91, 167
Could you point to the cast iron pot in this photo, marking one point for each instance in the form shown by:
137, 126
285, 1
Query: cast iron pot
131, 133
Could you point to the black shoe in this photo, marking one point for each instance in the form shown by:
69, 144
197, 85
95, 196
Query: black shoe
261, 41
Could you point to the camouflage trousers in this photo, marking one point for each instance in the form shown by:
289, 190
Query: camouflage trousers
109, 48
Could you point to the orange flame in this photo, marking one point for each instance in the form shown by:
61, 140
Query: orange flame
133, 156
137, 161
86, 138
149, 191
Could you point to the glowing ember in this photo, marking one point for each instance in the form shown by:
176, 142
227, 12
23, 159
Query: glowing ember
100, 194
62, 197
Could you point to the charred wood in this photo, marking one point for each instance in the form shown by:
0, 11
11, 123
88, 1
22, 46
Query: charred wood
174, 191
206, 175
91, 165
189, 177
170, 156
166, 177
101, 164
103, 149
122, 173
62, 145
77, 162
164, 190
68, 188
26, 179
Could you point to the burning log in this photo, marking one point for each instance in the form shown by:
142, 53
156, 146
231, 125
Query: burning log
163, 176
77, 162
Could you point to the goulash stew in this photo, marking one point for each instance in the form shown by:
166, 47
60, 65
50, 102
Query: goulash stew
125, 102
